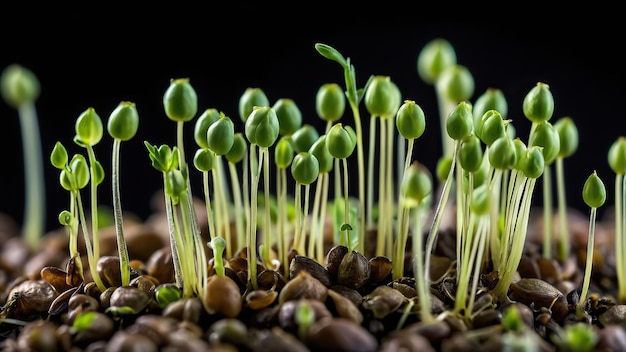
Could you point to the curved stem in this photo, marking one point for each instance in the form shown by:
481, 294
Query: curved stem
117, 212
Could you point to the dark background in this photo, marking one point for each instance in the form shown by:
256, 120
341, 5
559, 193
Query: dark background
97, 57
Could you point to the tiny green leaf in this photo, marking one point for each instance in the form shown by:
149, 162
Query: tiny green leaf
251, 97
568, 136
436, 56
262, 126
382, 97
457, 83
19, 85
459, 122
410, 120
330, 102
305, 168
617, 156
491, 99
89, 128
331, 53
59, 157
221, 135
594, 192
180, 100
166, 294
124, 121
98, 175
238, 149
289, 116
304, 137
283, 153
79, 172
204, 159
163, 158
340, 141
83, 321
65, 218
321, 153
538, 104
202, 124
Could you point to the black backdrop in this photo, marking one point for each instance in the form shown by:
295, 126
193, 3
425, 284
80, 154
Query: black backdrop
97, 57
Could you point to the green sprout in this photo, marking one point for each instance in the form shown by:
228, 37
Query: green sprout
617, 162
354, 96
234, 156
578, 337
304, 169
122, 126
320, 203
283, 157
261, 130
594, 195
382, 100
568, 141
20, 88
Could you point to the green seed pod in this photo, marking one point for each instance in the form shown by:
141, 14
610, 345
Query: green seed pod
502, 153
456, 83
410, 120
491, 99
471, 153
66, 180
533, 162
59, 157
180, 100
175, 185
416, 185
436, 56
303, 138
283, 153
481, 200
19, 85
250, 98
568, 136
330, 102
321, 153
80, 172
491, 127
238, 149
520, 150
459, 121
594, 192
204, 160
289, 116
262, 126
382, 97
538, 104
617, 156
340, 141
305, 168
88, 128
123, 121
204, 121
221, 135
544, 135
443, 167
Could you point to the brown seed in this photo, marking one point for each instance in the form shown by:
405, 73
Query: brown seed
55, 277
345, 308
31, 297
101, 327
130, 296
541, 295
380, 269
340, 334
303, 263
354, 270
222, 296
259, 299
382, 301
303, 286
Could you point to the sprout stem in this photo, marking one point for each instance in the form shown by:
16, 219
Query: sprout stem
563, 244
33, 169
117, 210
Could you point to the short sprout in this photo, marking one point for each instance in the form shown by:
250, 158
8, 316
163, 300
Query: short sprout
180, 100
330, 102
251, 97
594, 192
238, 149
436, 56
305, 168
545, 135
410, 120
175, 185
416, 185
262, 126
471, 153
340, 141
382, 97
289, 116
59, 157
503, 154
538, 104
304, 137
220, 135
491, 127
534, 163
202, 124
89, 128
123, 121
459, 122
204, 159
65, 218
19, 85
321, 153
